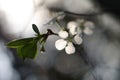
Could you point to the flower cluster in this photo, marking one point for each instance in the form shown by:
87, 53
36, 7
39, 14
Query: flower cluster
72, 35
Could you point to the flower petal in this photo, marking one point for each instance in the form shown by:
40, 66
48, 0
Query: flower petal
79, 31
60, 44
63, 34
73, 28
80, 21
78, 39
89, 24
72, 24
70, 49
88, 31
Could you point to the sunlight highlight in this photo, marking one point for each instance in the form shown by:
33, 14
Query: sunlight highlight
17, 13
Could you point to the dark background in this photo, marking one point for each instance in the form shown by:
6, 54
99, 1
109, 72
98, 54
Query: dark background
112, 6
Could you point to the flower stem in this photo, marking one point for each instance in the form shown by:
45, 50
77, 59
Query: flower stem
59, 25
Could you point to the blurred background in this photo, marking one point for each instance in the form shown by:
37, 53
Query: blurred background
97, 59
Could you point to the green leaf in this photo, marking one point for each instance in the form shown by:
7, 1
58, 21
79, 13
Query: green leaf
35, 29
20, 42
19, 53
27, 51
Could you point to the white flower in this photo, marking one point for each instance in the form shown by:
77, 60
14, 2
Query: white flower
73, 27
70, 49
89, 26
71, 24
64, 43
63, 34
78, 40
75, 31
60, 44
88, 31
73, 35
80, 21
